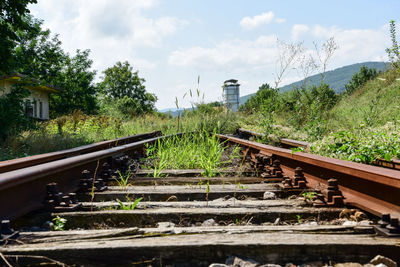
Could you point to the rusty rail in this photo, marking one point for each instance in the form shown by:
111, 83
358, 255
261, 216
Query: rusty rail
290, 143
371, 188
14, 164
23, 190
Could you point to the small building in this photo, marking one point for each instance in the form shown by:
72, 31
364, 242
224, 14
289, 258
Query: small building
38, 101
231, 94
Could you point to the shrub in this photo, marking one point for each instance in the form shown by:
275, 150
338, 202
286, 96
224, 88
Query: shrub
12, 113
359, 79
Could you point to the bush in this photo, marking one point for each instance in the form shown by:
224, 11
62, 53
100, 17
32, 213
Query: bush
359, 79
12, 113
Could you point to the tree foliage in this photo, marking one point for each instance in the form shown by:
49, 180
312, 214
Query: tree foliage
126, 89
360, 78
12, 114
12, 13
263, 97
39, 55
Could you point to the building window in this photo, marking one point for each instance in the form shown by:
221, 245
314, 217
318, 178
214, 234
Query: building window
35, 109
40, 110
29, 110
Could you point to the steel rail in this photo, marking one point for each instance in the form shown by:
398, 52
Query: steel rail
24, 190
371, 188
47, 157
14, 164
284, 142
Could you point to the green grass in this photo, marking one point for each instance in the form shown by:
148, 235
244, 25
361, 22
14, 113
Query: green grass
129, 206
78, 129
198, 150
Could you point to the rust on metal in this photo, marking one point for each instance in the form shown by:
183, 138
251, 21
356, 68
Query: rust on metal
14, 164
29, 184
371, 188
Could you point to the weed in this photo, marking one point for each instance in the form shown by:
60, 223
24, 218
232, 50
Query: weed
123, 179
309, 196
299, 219
59, 223
130, 206
198, 150
240, 186
207, 190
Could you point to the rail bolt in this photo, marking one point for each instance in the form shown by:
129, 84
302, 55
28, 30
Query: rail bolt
299, 179
86, 174
6, 228
72, 197
333, 190
319, 200
298, 172
52, 188
394, 226
384, 221
287, 183
65, 201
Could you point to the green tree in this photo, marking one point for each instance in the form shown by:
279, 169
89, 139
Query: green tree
125, 88
12, 13
78, 91
12, 114
265, 97
359, 79
40, 56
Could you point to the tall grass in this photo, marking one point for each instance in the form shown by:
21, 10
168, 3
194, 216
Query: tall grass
198, 150
78, 129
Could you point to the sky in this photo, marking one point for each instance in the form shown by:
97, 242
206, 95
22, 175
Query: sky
173, 42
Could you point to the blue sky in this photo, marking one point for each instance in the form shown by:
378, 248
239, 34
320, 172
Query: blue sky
173, 42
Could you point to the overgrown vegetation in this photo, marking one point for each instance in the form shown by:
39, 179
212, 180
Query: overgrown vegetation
359, 124
198, 150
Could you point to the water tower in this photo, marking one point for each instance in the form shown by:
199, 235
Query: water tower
231, 94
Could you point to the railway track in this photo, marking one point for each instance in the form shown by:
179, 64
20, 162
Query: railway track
272, 207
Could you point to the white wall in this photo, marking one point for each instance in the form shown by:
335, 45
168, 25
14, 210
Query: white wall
41, 98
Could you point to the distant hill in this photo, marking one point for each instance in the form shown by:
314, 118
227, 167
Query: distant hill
337, 78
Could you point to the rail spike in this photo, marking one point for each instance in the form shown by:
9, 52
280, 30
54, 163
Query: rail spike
57, 201
334, 197
388, 226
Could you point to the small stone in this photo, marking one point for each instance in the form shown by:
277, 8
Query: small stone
269, 265
348, 264
365, 222
269, 195
311, 223
209, 222
380, 265
165, 224
384, 260
292, 197
277, 221
349, 223
47, 225
218, 265
239, 262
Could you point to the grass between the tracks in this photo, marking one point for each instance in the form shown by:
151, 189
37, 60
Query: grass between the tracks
197, 150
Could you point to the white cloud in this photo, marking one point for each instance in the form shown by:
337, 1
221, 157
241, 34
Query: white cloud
298, 30
112, 31
231, 54
249, 23
355, 45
